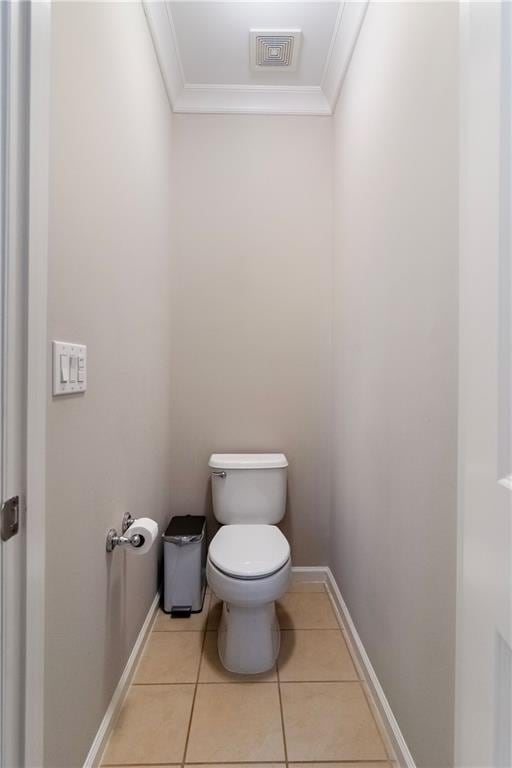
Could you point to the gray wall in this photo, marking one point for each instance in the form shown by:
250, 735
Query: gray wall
251, 308
202, 283
109, 287
395, 342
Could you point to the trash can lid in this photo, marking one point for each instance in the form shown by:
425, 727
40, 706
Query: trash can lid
185, 529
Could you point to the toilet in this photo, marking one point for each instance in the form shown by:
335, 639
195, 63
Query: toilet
249, 563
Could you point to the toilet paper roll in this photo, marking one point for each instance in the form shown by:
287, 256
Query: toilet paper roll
147, 529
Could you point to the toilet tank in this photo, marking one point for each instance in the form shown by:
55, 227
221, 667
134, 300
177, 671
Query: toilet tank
248, 487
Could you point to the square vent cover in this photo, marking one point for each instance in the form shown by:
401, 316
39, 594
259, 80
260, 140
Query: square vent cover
275, 49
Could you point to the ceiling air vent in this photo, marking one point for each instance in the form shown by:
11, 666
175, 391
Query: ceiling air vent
275, 49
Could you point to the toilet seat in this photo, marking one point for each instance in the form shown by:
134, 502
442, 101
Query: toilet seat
249, 551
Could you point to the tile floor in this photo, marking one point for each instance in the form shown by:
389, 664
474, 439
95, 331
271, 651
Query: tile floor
184, 708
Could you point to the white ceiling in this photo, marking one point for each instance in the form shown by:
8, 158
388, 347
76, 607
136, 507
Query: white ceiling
213, 39
203, 50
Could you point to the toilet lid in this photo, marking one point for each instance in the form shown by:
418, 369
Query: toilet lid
249, 551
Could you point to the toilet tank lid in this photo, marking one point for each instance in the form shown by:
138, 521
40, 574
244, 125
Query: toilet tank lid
248, 461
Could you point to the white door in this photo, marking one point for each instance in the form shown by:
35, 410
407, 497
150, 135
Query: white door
13, 268
484, 639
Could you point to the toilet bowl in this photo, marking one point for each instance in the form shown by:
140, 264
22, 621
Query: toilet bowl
249, 563
248, 568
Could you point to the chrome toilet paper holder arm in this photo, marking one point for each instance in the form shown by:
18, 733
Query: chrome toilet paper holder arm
127, 521
115, 540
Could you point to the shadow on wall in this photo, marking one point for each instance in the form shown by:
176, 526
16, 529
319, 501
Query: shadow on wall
115, 622
212, 526
286, 525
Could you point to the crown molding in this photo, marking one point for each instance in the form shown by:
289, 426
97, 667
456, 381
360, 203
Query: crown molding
346, 31
254, 99
163, 34
239, 99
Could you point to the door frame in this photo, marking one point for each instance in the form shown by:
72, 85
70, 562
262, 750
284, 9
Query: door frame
16, 104
39, 45
26, 94
484, 185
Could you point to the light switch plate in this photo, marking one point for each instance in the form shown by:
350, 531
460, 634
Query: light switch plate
65, 369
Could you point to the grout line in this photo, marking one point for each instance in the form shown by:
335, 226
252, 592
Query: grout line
283, 629
292, 762
195, 688
318, 682
251, 682
291, 629
260, 762
174, 632
355, 761
321, 682
183, 682
281, 711
311, 629
178, 632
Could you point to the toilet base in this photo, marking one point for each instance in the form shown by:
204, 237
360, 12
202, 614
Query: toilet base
248, 638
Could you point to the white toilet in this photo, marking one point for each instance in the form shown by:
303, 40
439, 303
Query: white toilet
249, 563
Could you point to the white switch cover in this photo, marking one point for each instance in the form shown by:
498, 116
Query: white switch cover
69, 368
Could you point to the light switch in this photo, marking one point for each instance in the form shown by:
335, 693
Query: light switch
69, 368
64, 369
73, 367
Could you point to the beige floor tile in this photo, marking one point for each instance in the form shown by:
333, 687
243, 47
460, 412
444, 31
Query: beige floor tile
307, 586
238, 765
236, 723
298, 610
152, 726
195, 623
170, 657
338, 765
214, 613
329, 721
212, 670
311, 654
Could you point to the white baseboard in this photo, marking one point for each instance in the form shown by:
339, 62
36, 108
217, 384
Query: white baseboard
309, 573
398, 743
93, 759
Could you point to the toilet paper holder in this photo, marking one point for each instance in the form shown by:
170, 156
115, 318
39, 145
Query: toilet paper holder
115, 540
126, 522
